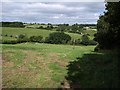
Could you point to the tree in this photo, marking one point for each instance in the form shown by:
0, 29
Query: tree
108, 27
58, 38
49, 27
61, 28
36, 39
22, 38
12, 24
85, 40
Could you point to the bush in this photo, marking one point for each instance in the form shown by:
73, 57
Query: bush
58, 38
36, 39
49, 27
85, 40
40, 27
22, 38
46, 40
77, 42
71, 42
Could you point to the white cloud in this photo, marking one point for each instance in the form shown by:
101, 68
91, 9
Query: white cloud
53, 0
62, 12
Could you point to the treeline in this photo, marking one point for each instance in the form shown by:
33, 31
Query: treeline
11, 24
53, 38
75, 28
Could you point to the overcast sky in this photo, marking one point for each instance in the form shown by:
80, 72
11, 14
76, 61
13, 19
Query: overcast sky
51, 12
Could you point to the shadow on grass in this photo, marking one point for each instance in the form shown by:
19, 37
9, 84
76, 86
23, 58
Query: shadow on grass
93, 71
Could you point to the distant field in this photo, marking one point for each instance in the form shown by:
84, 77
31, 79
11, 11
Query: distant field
38, 65
30, 32
36, 32
37, 25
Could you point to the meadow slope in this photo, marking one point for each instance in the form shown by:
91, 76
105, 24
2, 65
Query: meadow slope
38, 65
31, 32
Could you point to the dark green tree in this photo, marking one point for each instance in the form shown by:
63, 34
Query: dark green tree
58, 38
85, 40
108, 27
22, 38
36, 39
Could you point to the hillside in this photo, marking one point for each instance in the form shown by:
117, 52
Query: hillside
8, 31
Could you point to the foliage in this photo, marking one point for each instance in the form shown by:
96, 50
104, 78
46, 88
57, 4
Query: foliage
22, 38
12, 24
77, 42
108, 27
58, 38
49, 27
40, 27
85, 40
62, 27
97, 70
92, 42
36, 38
33, 32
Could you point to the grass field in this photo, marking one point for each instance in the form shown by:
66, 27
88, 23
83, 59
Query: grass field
38, 65
36, 32
35, 25
30, 32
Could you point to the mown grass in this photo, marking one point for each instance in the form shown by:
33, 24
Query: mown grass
38, 65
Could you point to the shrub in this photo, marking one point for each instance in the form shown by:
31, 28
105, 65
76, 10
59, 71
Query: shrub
78, 41
46, 40
40, 27
36, 39
22, 38
71, 42
58, 38
85, 40
49, 27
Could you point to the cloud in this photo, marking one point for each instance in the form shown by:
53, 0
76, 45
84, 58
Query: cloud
54, 12
52, 0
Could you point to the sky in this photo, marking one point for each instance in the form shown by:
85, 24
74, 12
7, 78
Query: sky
52, 12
